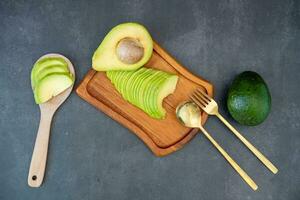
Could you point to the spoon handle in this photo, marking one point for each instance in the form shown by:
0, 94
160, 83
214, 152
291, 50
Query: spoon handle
239, 170
39, 156
256, 152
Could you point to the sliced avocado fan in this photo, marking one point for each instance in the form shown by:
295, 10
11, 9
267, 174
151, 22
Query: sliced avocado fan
50, 76
145, 88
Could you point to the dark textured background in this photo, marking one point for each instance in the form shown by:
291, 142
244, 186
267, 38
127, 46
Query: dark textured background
93, 157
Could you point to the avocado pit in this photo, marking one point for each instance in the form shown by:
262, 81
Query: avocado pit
129, 51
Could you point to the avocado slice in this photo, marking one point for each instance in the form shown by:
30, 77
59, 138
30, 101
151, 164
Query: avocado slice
124, 82
52, 85
137, 77
127, 46
48, 70
145, 88
45, 63
153, 91
249, 99
167, 88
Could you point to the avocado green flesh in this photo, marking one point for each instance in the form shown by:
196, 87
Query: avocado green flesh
138, 77
48, 70
105, 57
49, 77
129, 85
156, 92
145, 88
124, 83
143, 94
166, 88
52, 85
46, 63
152, 96
249, 99
153, 85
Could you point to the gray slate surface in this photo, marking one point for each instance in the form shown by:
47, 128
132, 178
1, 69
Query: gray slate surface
93, 157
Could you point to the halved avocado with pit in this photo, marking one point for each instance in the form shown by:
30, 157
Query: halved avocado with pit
127, 46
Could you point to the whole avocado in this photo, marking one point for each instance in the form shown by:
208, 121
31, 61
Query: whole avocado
249, 99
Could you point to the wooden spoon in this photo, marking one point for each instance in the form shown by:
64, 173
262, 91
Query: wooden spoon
47, 109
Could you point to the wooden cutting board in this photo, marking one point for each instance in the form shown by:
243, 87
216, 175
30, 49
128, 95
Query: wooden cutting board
161, 136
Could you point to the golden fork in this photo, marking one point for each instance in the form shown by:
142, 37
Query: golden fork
207, 104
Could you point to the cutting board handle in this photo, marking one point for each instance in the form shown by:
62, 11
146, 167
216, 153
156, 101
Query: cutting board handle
39, 156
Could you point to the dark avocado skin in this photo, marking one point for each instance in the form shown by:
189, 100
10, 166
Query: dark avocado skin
249, 99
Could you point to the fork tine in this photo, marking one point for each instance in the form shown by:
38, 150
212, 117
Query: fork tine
199, 95
200, 103
201, 100
203, 93
195, 100
197, 103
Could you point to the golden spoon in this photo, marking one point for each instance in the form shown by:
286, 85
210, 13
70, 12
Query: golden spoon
208, 105
189, 115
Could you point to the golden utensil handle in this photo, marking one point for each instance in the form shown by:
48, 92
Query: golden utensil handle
257, 153
241, 172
